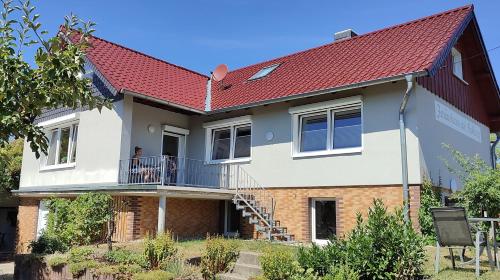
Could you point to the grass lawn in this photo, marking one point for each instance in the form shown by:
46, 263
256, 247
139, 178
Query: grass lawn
446, 271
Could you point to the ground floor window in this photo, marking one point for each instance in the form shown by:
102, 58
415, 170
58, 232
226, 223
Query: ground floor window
323, 219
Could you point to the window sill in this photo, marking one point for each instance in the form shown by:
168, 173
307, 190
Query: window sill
461, 80
58, 167
356, 150
226, 161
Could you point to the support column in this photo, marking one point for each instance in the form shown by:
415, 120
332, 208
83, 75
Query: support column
162, 210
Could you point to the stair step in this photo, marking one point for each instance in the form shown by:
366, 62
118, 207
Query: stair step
247, 269
250, 258
246, 214
232, 276
253, 221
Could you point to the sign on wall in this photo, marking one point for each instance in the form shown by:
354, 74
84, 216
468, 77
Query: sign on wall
449, 117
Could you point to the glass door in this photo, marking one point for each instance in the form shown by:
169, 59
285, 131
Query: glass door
173, 150
323, 220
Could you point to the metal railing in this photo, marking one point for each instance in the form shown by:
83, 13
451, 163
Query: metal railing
168, 170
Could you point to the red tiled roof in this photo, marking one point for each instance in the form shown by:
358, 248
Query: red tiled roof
407, 48
128, 69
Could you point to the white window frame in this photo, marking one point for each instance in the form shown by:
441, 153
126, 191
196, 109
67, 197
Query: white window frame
457, 67
231, 124
321, 242
329, 108
58, 124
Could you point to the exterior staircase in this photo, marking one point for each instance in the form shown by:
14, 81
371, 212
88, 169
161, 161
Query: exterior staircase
247, 267
258, 205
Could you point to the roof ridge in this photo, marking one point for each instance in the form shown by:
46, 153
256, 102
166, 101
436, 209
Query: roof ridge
470, 6
149, 56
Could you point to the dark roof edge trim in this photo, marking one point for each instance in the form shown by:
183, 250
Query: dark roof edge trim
161, 101
321, 92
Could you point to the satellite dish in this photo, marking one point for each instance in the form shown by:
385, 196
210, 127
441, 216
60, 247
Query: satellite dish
220, 72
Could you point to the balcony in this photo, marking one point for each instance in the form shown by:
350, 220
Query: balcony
175, 171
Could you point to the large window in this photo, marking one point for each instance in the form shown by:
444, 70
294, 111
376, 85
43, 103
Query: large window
229, 140
328, 127
62, 145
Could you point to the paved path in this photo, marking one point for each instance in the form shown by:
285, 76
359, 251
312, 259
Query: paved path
7, 271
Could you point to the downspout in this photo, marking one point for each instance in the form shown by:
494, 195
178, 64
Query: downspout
404, 159
493, 151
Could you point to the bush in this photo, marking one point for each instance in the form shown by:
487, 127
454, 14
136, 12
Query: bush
218, 256
122, 256
80, 259
78, 222
320, 259
179, 269
428, 198
57, 261
279, 264
47, 244
159, 249
341, 272
384, 247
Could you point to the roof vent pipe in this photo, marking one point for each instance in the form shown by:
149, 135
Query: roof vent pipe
404, 159
344, 34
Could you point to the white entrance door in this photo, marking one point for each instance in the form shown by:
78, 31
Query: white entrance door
174, 147
323, 220
43, 211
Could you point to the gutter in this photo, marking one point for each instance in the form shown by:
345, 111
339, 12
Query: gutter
402, 135
161, 101
493, 151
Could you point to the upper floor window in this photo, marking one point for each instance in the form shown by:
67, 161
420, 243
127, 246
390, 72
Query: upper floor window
330, 127
62, 145
457, 63
229, 140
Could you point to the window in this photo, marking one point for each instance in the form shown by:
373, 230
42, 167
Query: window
457, 63
264, 72
62, 145
229, 139
327, 128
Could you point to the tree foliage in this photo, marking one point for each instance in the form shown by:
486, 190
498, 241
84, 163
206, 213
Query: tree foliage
56, 79
481, 184
429, 197
11, 156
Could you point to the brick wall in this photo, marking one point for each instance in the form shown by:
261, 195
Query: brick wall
293, 205
27, 218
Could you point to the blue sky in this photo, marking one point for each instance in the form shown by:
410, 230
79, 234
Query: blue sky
200, 34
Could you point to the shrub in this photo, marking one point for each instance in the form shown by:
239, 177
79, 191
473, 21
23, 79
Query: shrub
428, 198
57, 261
279, 264
218, 256
47, 244
159, 249
320, 259
78, 222
179, 269
384, 247
80, 259
341, 272
122, 256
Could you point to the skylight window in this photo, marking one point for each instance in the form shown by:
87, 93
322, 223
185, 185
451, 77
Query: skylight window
264, 72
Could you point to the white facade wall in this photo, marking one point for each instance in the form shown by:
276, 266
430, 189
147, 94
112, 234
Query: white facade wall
433, 134
98, 151
272, 164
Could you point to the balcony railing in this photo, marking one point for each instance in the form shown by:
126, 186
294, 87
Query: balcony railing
175, 171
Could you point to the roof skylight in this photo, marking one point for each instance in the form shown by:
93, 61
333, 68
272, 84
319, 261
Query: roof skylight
264, 72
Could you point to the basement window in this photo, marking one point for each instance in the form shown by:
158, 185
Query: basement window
264, 72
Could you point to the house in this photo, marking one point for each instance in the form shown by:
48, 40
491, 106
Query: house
298, 144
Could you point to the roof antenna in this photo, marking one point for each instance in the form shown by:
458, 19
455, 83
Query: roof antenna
219, 74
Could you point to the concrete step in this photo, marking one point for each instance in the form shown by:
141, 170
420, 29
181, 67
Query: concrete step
231, 276
247, 270
250, 258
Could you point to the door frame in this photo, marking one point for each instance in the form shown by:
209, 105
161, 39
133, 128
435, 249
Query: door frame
181, 134
320, 242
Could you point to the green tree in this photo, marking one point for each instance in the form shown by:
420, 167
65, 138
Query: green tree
481, 184
11, 156
56, 79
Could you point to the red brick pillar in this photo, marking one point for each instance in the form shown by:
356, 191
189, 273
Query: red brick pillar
415, 206
27, 219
